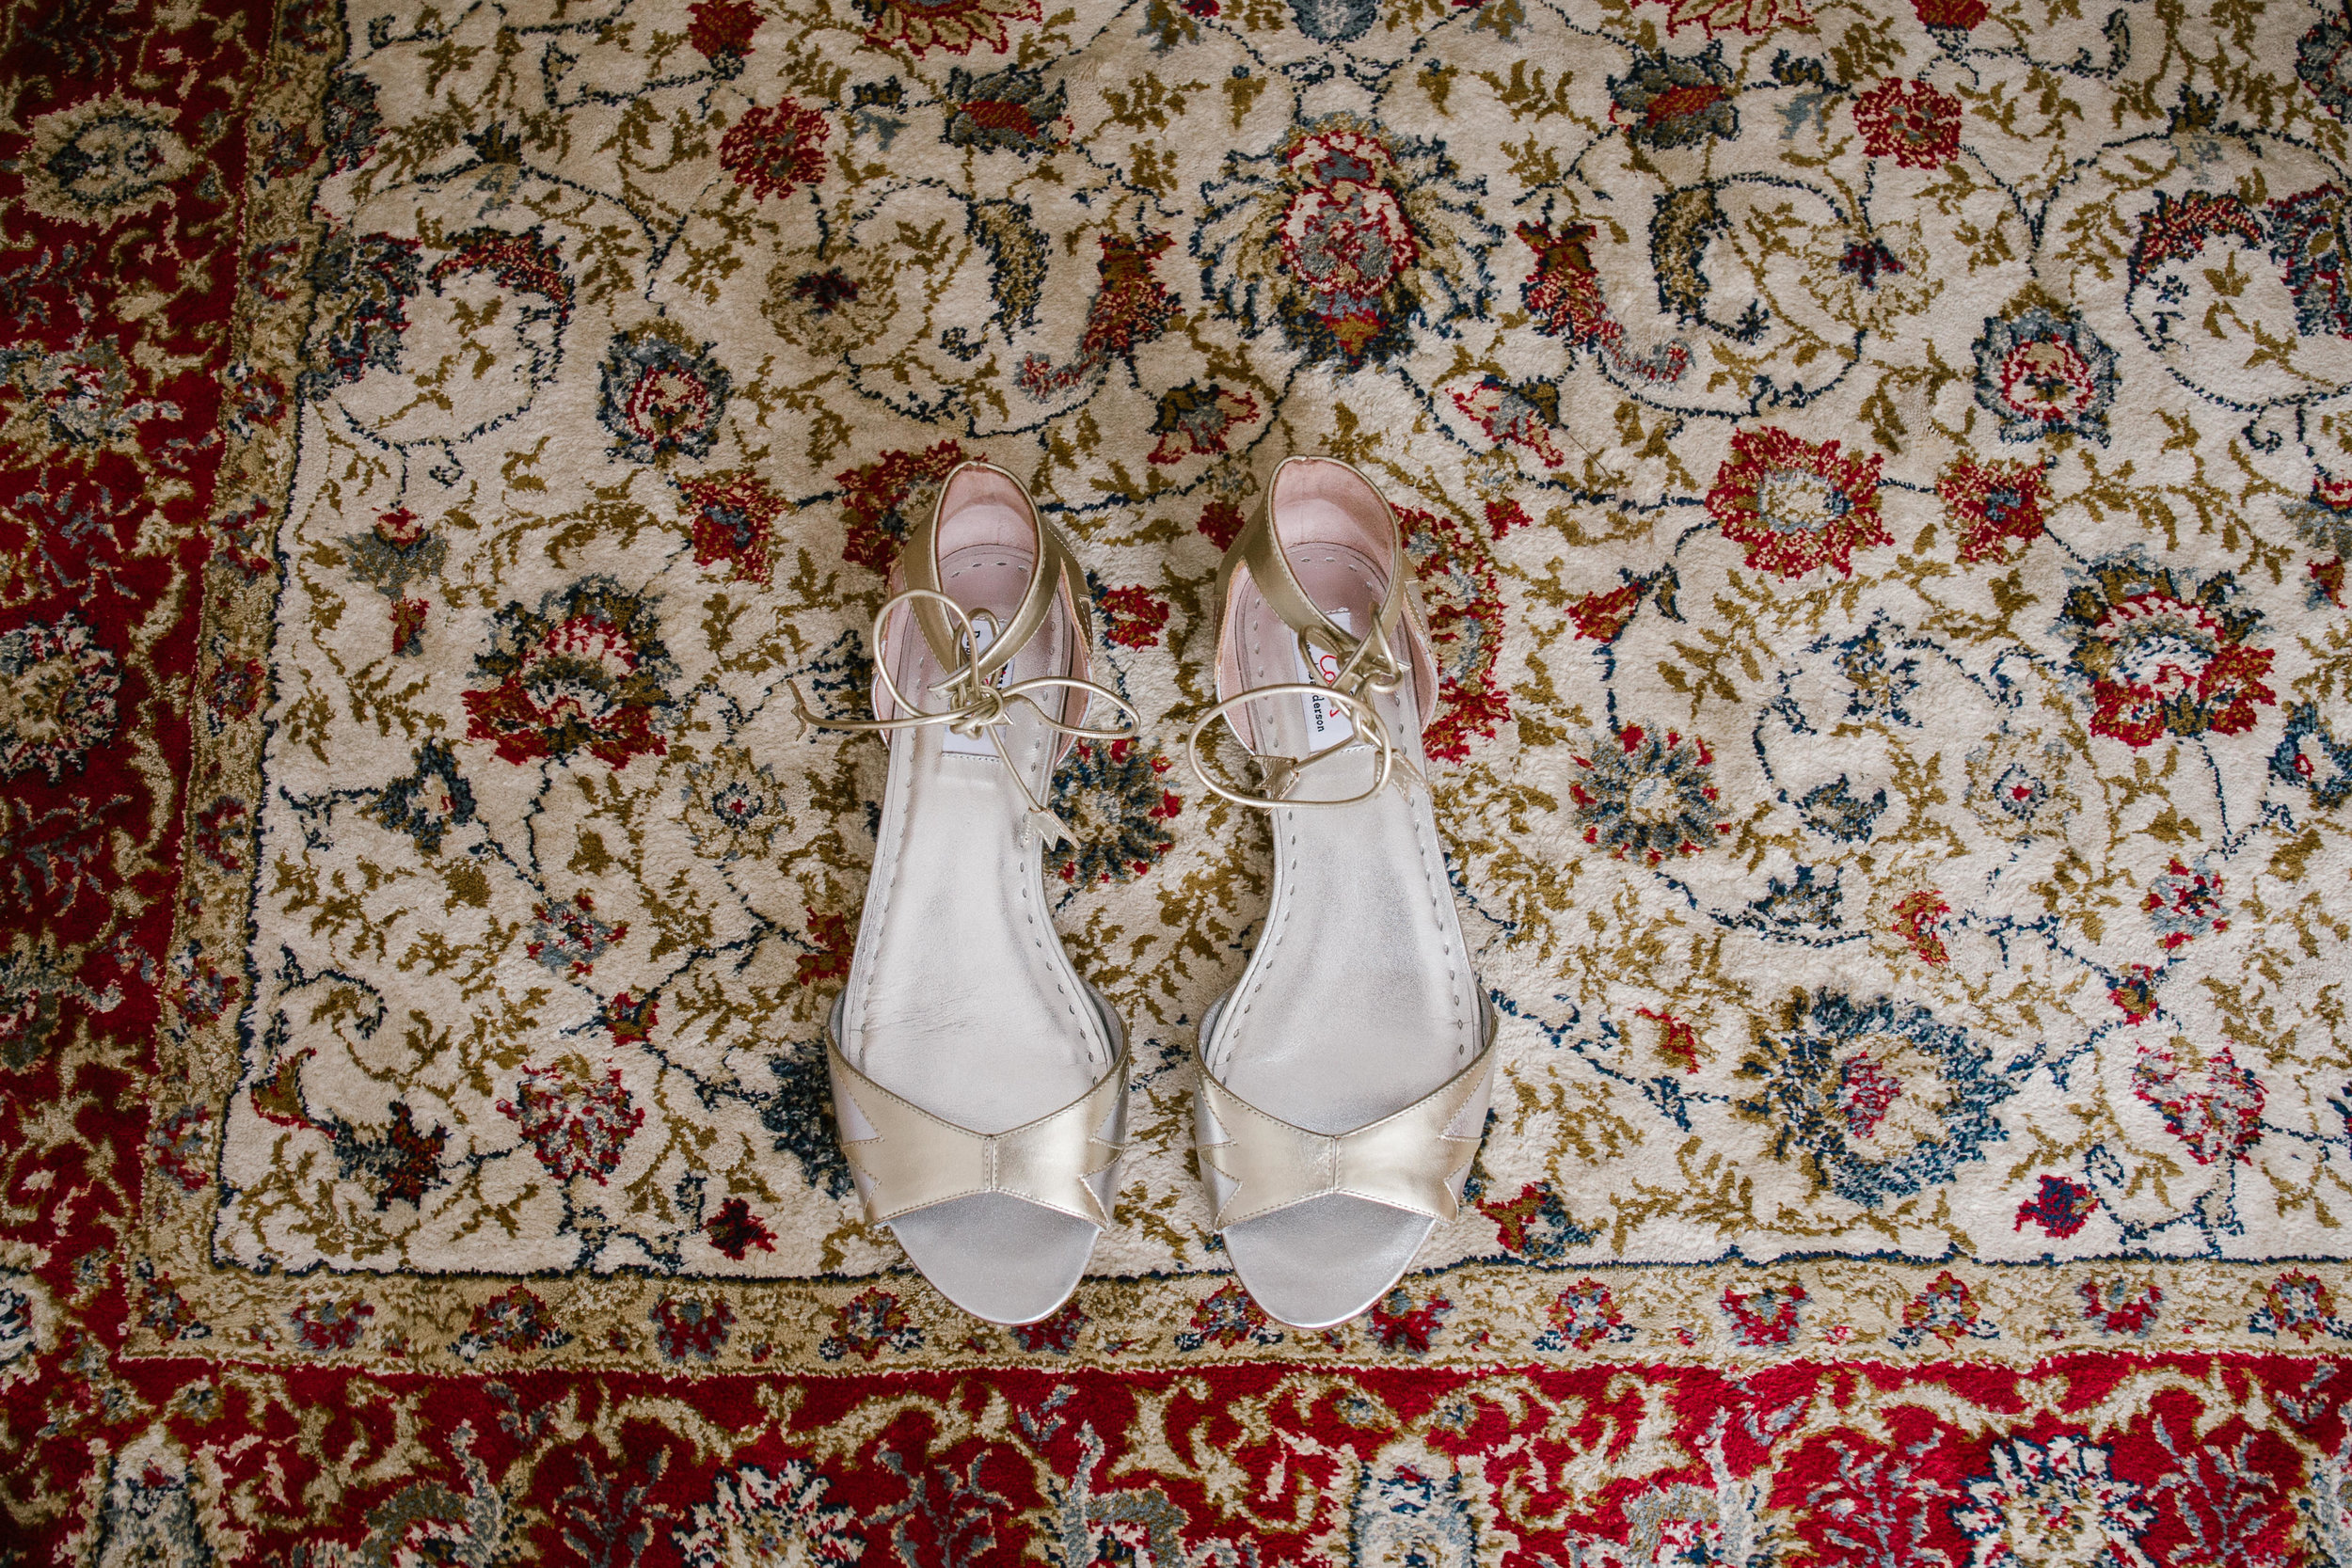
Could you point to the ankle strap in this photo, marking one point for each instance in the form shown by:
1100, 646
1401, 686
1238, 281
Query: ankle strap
1370, 660
1053, 574
1391, 650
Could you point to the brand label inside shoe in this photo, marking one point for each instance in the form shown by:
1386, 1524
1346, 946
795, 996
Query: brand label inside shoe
1328, 724
983, 633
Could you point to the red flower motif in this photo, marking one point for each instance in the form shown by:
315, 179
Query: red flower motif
1910, 122
1944, 1311
2135, 993
178, 1144
2327, 580
1134, 616
1763, 1317
514, 1319
734, 520
955, 26
874, 500
630, 1018
409, 625
1676, 1041
1603, 617
1717, 17
1227, 1318
2217, 1111
1463, 595
576, 1123
1991, 505
1796, 505
1916, 917
1220, 523
2163, 653
1866, 1092
221, 834
831, 961
687, 1328
1056, 1335
1132, 308
333, 1324
1400, 1322
583, 672
735, 1229
723, 29
774, 151
1504, 515
1950, 13
2115, 1307
2061, 1206
869, 1323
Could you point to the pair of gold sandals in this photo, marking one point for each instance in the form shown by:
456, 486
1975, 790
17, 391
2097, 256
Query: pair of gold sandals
982, 1085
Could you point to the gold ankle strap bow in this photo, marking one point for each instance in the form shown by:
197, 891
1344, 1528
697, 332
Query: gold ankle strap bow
979, 706
1384, 675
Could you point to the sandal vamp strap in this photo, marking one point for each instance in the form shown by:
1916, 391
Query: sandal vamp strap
910, 1159
1409, 1160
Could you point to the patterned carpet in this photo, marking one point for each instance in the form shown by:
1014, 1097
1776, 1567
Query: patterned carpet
1880, 480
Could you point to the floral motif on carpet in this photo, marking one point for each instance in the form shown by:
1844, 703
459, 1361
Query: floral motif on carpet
1881, 490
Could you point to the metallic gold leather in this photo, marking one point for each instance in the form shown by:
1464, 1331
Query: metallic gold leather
915, 1158
1394, 648
1054, 578
1407, 1161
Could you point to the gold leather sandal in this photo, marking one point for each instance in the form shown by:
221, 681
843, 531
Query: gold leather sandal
980, 1083
1344, 1080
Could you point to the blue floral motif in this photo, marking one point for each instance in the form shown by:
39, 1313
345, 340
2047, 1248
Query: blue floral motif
427, 803
16, 1323
1403, 1512
2033, 1486
800, 1115
2309, 757
1833, 811
1799, 903
1832, 1077
658, 396
1646, 793
2307, 236
780, 1516
1678, 100
1881, 682
149, 1513
2041, 374
362, 283
1334, 20
349, 122
2301, 1305
1116, 798
568, 939
2324, 61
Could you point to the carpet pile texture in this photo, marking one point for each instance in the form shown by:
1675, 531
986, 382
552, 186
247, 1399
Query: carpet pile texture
1879, 477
